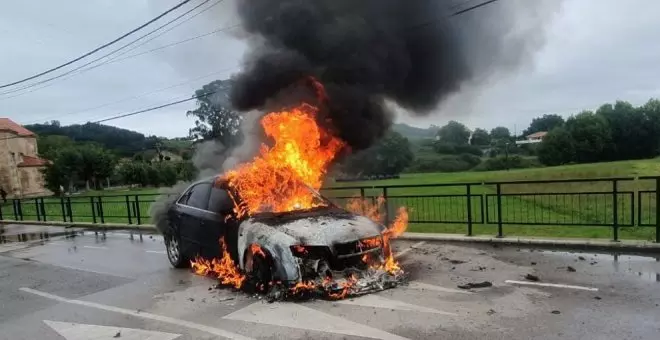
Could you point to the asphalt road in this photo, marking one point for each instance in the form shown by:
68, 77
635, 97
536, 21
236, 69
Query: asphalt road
95, 287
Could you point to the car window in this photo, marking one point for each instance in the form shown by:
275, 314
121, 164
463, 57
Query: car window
220, 202
198, 197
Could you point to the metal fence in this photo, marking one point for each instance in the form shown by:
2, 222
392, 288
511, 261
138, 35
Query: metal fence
612, 203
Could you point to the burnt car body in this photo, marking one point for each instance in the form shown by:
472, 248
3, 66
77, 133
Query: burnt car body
298, 244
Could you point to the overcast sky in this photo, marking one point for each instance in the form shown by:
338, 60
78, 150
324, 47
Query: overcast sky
595, 51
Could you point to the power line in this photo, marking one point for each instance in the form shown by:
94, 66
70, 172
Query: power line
131, 97
472, 8
98, 48
113, 51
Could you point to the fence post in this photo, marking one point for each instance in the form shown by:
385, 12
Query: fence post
68, 208
615, 211
91, 204
128, 211
63, 210
20, 209
137, 210
1, 206
657, 210
362, 193
387, 207
469, 210
500, 233
36, 209
99, 203
43, 208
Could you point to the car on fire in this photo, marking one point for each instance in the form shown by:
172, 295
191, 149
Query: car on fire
290, 246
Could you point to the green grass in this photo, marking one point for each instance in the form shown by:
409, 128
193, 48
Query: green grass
449, 203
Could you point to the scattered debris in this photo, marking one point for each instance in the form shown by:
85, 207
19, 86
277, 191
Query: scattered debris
471, 285
581, 258
531, 277
210, 288
491, 312
555, 312
592, 263
182, 282
452, 268
456, 261
118, 335
570, 269
478, 268
226, 299
533, 263
599, 298
191, 299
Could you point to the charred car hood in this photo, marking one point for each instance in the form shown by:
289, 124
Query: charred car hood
324, 228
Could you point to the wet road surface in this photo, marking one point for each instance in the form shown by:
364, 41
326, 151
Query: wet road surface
95, 287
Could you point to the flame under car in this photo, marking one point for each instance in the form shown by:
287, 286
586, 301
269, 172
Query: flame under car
289, 247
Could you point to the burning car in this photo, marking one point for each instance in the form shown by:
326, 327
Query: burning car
324, 246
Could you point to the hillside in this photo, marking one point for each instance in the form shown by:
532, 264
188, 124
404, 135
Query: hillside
412, 132
124, 142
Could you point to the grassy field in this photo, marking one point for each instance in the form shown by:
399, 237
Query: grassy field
556, 203
529, 205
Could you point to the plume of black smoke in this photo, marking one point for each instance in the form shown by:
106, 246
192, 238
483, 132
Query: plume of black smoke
369, 51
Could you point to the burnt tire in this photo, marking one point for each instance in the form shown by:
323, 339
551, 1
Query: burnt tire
174, 254
260, 273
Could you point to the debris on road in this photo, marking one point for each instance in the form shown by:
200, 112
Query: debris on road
456, 261
471, 285
581, 258
555, 312
570, 269
597, 298
531, 277
491, 312
533, 263
118, 335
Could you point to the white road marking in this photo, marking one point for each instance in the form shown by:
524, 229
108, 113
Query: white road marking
405, 251
156, 251
301, 317
79, 331
95, 247
91, 270
426, 286
144, 315
381, 302
554, 285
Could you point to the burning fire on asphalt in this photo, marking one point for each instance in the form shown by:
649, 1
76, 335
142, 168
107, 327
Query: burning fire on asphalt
278, 180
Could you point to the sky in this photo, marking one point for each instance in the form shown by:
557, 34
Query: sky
593, 52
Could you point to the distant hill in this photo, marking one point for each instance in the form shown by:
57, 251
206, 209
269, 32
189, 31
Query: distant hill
412, 132
124, 142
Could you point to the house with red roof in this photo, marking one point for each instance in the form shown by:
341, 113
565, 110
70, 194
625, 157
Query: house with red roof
20, 165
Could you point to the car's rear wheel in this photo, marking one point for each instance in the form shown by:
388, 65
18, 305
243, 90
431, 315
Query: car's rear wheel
174, 253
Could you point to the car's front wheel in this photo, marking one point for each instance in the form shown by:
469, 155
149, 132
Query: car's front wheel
174, 253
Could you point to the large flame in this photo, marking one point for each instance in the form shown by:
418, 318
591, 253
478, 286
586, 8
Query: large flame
224, 268
277, 179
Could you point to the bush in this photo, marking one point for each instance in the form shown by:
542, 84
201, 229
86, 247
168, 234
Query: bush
504, 163
463, 162
455, 149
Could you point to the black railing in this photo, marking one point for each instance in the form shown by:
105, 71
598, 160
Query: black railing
499, 207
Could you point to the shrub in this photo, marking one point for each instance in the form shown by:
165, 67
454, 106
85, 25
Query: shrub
504, 163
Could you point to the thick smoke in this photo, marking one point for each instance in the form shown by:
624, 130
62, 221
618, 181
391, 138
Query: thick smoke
366, 52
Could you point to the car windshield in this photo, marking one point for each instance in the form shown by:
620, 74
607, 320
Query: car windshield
310, 200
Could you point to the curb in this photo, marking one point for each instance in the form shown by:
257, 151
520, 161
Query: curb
587, 244
148, 228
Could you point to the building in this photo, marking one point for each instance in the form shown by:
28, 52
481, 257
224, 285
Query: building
534, 138
20, 165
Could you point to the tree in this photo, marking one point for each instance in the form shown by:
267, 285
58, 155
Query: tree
633, 132
557, 148
500, 133
214, 119
480, 137
63, 170
544, 123
97, 164
391, 155
49, 145
591, 136
454, 133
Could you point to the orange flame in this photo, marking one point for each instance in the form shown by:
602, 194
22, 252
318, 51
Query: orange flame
255, 249
276, 179
224, 268
362, 206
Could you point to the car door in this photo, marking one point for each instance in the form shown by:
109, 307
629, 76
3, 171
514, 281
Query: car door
221, 204
194, 220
